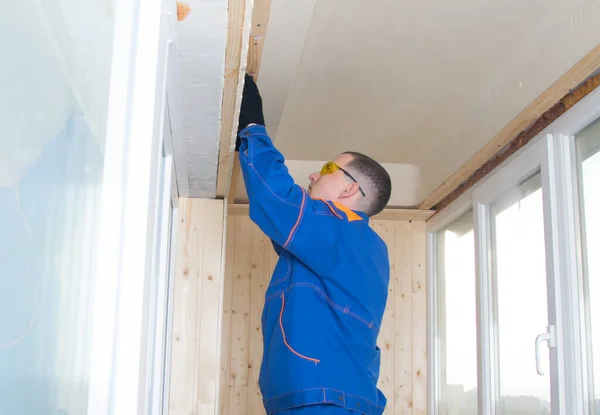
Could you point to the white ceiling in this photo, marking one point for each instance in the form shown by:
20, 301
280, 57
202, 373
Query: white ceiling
419, 83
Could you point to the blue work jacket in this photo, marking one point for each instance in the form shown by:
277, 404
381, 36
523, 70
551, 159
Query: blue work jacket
326, 298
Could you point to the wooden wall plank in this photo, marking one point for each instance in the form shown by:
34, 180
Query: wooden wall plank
240, 317
419, 321
226, 321
236, 177
194, 265
386, 340
197, 308
184, 376
209, 257
184, 328
259, 279
403, 379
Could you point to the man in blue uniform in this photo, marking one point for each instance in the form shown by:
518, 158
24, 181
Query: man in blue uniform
326, 298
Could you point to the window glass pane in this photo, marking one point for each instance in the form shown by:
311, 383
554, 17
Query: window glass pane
588, 143
521, 305
457, 318
54, 78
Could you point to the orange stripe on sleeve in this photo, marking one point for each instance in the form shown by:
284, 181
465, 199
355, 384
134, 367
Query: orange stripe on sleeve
297, 221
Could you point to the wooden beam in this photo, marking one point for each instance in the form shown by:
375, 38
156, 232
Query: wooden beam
236, 176
387, 214
236, 55
527, 118
258, 32
415, 215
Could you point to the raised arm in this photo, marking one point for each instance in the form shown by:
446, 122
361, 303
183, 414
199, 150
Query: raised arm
283, 210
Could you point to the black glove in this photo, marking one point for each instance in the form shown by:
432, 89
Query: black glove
251, 111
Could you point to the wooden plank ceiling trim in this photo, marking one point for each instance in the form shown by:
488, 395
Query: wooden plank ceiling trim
236, 56
228, 173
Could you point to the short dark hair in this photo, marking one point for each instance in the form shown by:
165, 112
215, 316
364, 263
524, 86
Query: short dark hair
374, 179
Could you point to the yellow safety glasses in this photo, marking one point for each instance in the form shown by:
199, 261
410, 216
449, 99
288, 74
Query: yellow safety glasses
331, 167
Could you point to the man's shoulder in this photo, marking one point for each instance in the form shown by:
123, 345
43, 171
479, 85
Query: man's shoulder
365, 238
338, 210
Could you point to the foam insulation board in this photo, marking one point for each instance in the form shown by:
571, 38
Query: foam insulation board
202, 38
417, 83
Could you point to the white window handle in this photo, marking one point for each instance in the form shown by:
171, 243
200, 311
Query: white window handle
549, 338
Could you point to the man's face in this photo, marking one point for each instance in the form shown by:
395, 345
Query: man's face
330, 186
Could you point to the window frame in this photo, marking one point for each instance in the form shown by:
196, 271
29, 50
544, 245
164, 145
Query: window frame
556, 148
518, 169
139, 203
434, 225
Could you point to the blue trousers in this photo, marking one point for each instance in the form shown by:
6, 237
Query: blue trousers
318, 410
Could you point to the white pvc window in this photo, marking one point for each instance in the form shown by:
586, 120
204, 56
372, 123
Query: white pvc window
516, 303
456, 317
519, 278
54, 166
129, 339
535, 273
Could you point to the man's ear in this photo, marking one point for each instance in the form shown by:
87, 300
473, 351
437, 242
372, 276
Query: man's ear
349, 190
